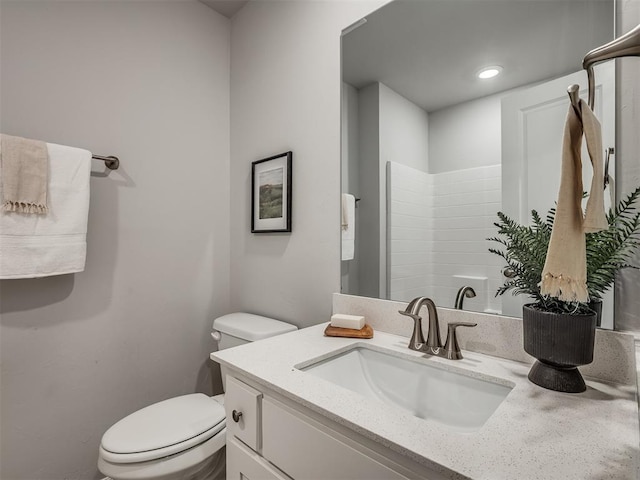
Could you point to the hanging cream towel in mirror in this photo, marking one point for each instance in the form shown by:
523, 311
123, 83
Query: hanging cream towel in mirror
565, 271
348, 226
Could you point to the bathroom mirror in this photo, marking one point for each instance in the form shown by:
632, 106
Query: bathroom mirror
431, 152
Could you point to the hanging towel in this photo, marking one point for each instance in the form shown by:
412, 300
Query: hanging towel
595, 218
25, 167
348, 226
52, 244
565, 271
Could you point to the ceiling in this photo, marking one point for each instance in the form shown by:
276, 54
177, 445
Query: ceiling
228, 8
430, 50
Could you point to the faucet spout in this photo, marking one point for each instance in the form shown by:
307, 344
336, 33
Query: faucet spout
433, 335
433, 345
465, 291
417, 337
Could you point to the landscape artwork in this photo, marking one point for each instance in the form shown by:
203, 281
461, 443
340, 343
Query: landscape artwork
271, 193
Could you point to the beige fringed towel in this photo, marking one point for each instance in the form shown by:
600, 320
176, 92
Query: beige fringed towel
25, 167
565, 271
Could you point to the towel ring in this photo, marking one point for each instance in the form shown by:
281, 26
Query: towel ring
628, 45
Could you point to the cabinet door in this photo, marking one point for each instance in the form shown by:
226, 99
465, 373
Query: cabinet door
304, 450
242, 405
244, 464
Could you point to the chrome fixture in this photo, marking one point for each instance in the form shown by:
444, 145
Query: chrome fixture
508, 272
433, 345
628, 45
465, 291
111, 162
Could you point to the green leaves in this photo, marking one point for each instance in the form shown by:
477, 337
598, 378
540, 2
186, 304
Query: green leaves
524, 249
610, 250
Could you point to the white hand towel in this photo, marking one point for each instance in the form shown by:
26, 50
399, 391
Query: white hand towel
348, 226
565, 270
55, 243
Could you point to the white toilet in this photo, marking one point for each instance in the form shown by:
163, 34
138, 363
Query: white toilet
181, 438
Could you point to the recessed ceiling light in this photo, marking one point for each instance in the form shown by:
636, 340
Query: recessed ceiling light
489, 72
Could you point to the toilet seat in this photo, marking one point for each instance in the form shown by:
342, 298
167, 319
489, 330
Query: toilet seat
163, 429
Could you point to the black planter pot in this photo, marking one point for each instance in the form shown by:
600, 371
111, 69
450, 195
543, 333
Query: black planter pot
596, 306
560, 343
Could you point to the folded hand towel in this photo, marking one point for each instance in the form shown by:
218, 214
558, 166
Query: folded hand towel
565, 271
53, 244
25, 174
348, 226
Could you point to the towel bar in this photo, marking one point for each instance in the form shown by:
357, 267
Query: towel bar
111, 162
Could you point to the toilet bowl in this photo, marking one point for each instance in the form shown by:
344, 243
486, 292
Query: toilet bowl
182, 438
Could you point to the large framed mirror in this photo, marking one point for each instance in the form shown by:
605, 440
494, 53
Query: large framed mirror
431, 152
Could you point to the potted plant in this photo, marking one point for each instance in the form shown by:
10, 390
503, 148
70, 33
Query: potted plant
559, 334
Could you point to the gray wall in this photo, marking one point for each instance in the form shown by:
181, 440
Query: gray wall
149, 82
368, 245
466, 135
627, 298
285, 95
350, 182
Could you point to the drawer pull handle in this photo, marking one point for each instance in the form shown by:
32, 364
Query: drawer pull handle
236, 416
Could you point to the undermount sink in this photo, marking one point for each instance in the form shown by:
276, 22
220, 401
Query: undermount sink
459, 401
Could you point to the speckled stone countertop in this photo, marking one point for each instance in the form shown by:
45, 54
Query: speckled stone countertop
534, 434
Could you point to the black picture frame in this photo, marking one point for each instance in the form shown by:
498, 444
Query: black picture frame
271, 200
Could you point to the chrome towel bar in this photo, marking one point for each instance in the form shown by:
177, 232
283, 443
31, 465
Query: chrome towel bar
111, 162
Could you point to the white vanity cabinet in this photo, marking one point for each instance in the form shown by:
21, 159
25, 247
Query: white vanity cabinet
273, 438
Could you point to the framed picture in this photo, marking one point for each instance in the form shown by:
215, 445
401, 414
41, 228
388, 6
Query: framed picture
271, 194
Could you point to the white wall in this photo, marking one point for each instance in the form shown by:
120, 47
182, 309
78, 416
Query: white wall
465, 203
149, 82
467, 135
410, 224
404, 131
438, 224
285, 95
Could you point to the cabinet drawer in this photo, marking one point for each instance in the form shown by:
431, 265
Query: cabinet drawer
242, 406
245, 464
304, 449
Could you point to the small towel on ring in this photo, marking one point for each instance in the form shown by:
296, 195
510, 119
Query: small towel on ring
25, 175
53, 244
565, 270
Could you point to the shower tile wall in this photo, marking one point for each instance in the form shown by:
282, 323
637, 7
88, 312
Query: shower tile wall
409, 227
438, 225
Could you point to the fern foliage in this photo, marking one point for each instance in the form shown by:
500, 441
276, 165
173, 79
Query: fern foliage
524, 249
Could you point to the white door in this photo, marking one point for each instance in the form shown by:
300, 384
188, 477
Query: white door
532, 127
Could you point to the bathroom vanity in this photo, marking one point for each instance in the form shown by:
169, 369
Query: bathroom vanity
298, 406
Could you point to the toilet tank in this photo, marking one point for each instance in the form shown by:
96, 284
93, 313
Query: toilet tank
238, 328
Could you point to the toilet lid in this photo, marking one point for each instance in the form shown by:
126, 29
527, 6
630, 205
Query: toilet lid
164, 424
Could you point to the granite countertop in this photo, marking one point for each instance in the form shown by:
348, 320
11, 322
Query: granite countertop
534, 434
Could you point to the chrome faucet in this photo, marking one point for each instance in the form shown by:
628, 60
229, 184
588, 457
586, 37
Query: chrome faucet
433, 345
465, 291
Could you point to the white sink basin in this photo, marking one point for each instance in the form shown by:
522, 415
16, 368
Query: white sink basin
459, 401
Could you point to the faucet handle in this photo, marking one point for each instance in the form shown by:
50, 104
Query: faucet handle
417, 338
452, 350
